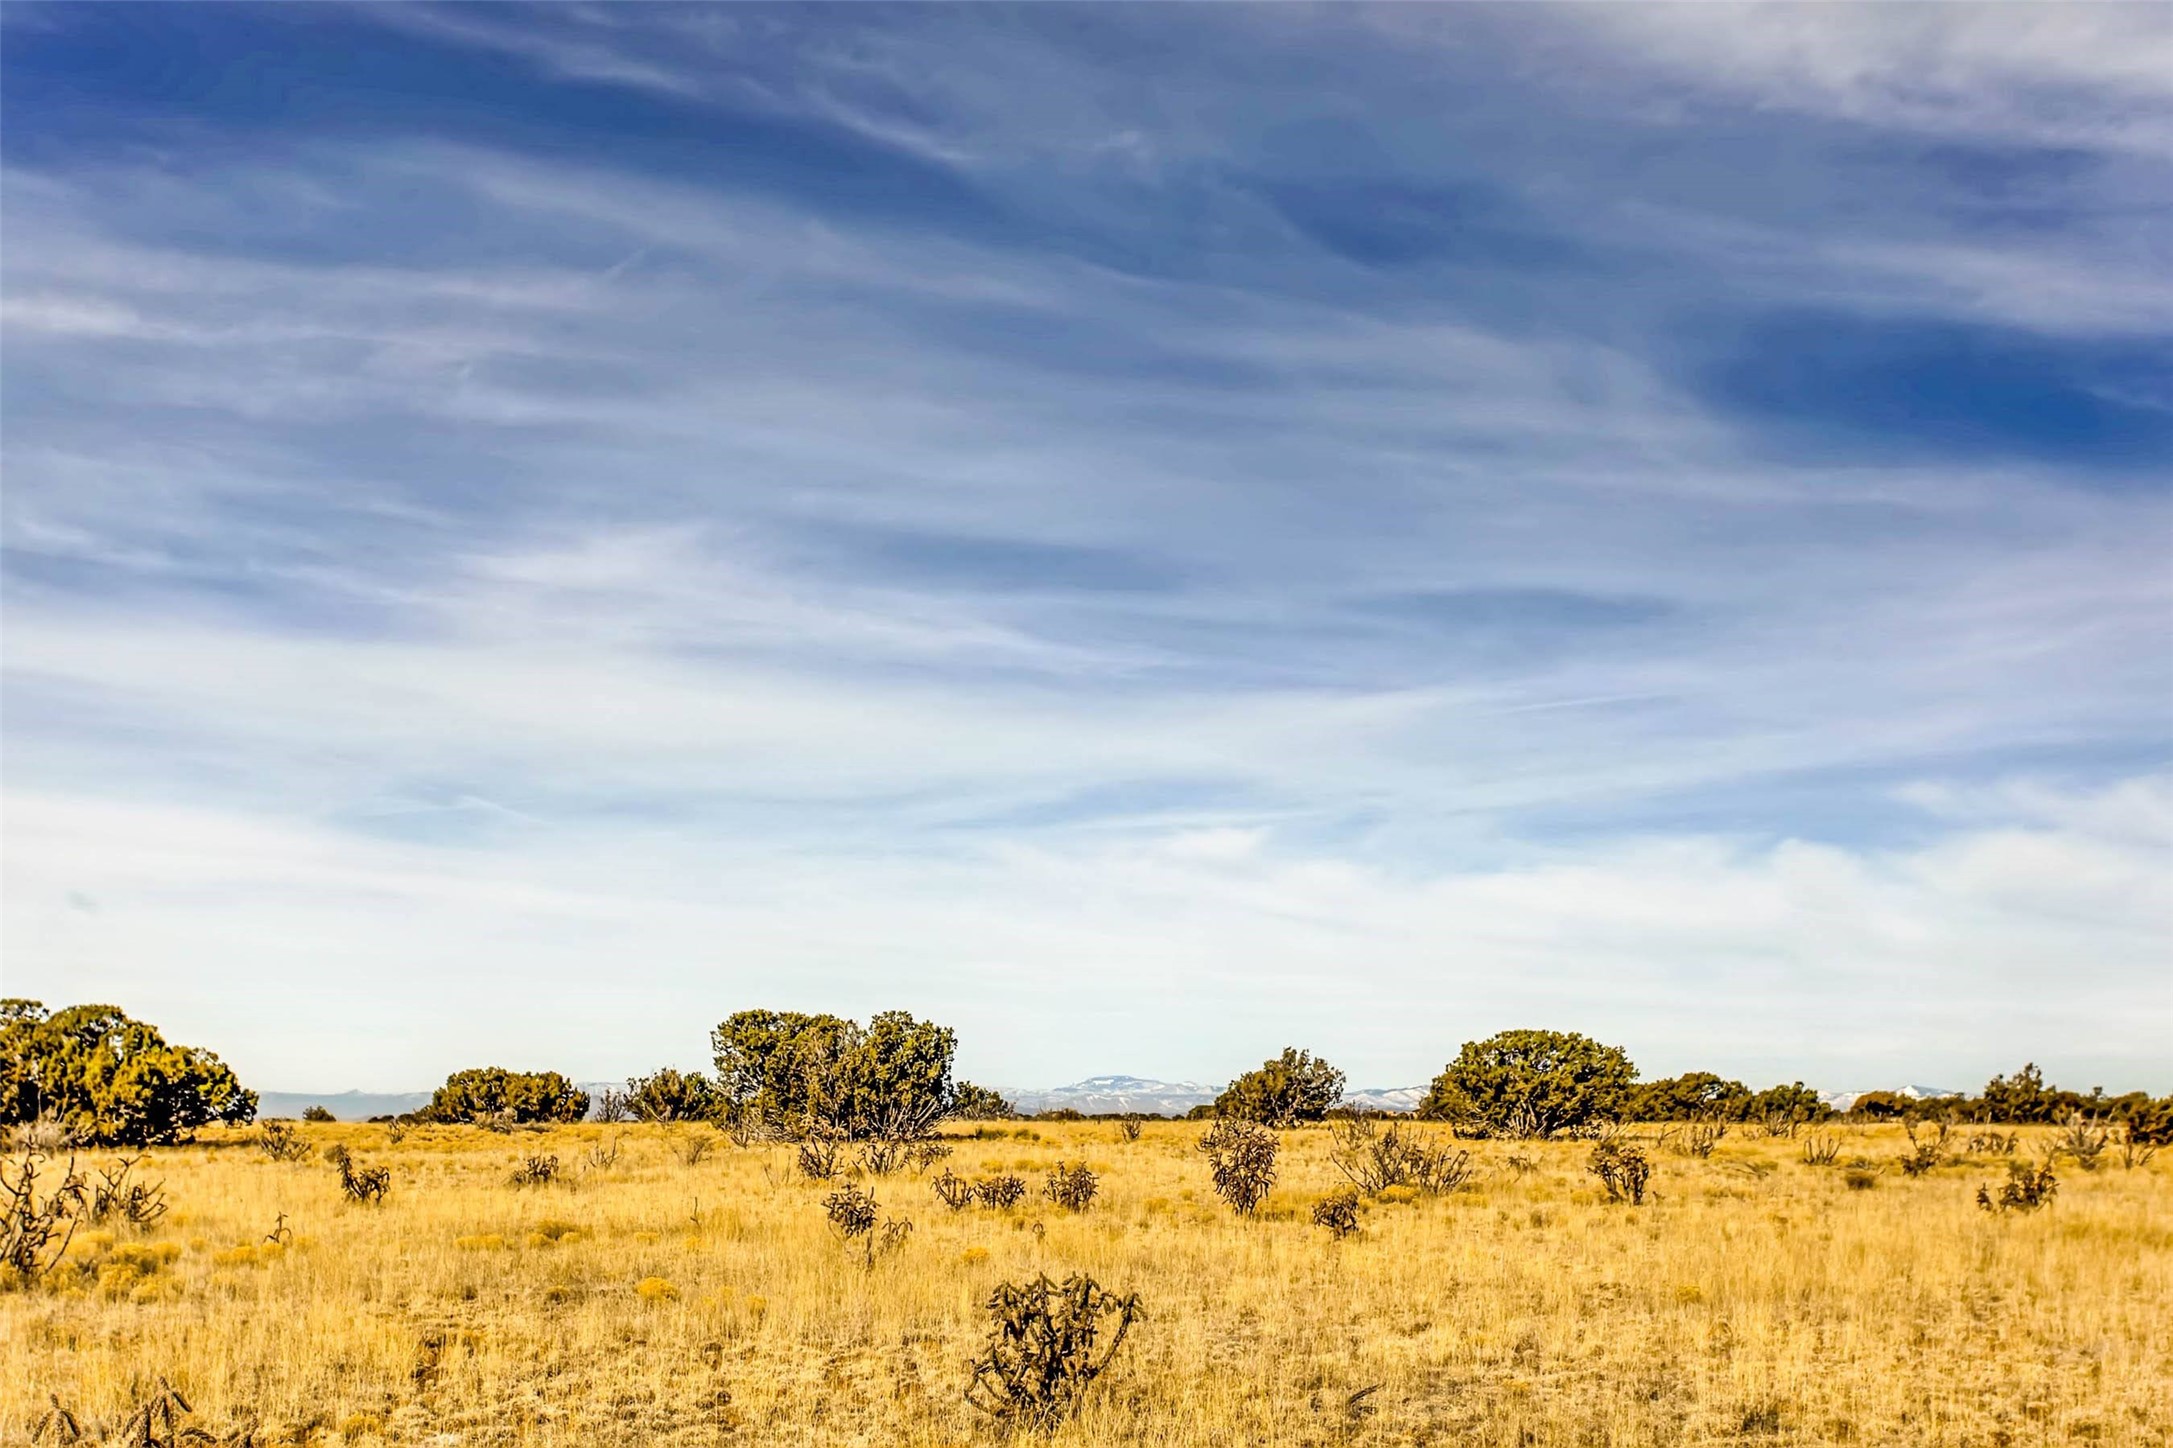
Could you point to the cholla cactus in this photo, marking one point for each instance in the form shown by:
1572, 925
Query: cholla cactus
1070, 1187
1242, 1157
1338, 1212
1047, 1344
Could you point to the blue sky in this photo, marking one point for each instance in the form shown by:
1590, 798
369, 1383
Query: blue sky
1146, 533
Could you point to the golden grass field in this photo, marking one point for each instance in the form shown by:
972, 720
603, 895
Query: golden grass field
1758, 1300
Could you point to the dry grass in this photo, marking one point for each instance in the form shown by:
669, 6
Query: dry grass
649, 1301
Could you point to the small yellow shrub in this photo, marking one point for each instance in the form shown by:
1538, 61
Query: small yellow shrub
118, 1270
481, 1242
656, 1289
554, 1232
249, 1254
973, 1255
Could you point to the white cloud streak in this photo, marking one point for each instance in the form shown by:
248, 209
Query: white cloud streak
1786, 959
504, 657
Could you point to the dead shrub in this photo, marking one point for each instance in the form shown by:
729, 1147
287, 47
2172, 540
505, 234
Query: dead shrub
1374, 1160
1821, 1150
1993, 1143
35, 1226
1781, 1123
44, 1135
1130, 1127
132, 1204
1701, 1136
1242, 1158
1047, 1344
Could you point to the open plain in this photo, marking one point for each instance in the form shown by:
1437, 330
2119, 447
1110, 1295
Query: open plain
643, 1298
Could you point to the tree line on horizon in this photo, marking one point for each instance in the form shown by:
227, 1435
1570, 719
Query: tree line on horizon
103, 1078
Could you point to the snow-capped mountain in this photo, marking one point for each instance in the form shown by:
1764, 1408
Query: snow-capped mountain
1095, 1096
1113, 1095
1386, 1098
1843, 1100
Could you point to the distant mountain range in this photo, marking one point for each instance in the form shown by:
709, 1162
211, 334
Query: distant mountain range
1387, 1098
362, 1105
344, 1105
1843, 1100
1095, 1096
1116, 1095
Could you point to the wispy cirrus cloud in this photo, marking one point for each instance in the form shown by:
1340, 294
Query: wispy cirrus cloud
979, 511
